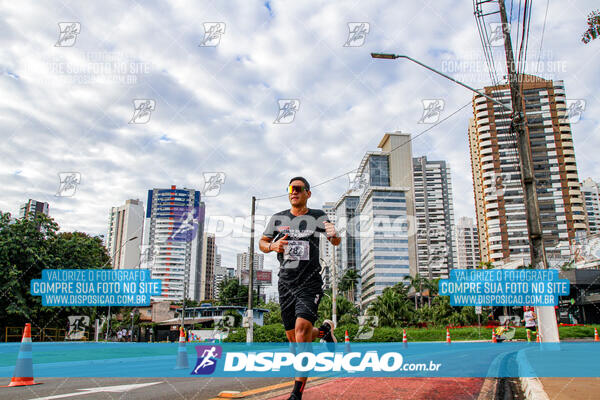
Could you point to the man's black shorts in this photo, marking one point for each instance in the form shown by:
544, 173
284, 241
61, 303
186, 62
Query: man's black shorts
298, 303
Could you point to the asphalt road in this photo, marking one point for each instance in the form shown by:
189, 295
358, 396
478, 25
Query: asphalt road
119, 388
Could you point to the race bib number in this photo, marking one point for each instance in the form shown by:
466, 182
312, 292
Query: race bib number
296, 250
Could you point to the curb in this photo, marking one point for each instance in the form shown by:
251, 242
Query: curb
488, 389
531, 386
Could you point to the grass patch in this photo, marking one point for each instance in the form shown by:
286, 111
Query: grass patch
275, 333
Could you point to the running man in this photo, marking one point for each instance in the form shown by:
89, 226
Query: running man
294, 235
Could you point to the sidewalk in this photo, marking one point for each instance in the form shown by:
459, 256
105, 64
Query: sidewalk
571, 388
392, 388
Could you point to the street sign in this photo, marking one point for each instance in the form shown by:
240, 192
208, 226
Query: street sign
478, 310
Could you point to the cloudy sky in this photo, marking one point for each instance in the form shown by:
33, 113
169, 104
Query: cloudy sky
67, 101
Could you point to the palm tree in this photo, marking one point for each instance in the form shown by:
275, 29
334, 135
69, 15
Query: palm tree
348, 283
392, 308
416, 282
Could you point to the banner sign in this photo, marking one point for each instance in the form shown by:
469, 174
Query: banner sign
504, 287
95, 287
317, 359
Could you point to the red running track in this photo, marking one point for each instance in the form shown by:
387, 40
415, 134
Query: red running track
393, 388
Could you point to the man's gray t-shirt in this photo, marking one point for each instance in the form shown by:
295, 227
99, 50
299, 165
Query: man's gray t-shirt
299, 264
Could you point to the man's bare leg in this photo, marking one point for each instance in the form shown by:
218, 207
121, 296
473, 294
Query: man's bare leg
304, 332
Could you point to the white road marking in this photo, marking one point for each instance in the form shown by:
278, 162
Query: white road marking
112, 389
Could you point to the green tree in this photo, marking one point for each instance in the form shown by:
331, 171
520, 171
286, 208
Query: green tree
27, 246
485, 265
348, 283
593, 30
392, 308
232, 293
274, 314
418, 283
346, 311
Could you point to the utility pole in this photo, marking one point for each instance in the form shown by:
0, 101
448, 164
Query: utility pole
250, 329
546, 315
334, 289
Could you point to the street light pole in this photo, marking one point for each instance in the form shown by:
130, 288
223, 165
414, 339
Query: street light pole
388, 56
250, 329
334, 289
547, 317
105, 264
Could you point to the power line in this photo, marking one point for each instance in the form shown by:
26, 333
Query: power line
542, 39
395, 148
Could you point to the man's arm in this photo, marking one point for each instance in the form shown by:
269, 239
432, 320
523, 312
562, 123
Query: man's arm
332, 236
267, 245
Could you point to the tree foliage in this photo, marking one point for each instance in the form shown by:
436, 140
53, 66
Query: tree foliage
346, 312
27, 246
593, 30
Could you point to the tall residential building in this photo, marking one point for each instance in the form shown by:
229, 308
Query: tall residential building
386, 205
220, 274
434, 209
243, 262
591, 195
467, 244
348, 251
325, 247
33, 208
501, 220
173, 241
207, 269
124, 238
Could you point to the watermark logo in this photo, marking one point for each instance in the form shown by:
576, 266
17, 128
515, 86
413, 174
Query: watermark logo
207, 359
68, 182
575, 109
357, 34
287, 111
366, 326
499, 183
496, 34
212, 34
185, 227
437, 256
432, 109
357, 182
68, 32
212, 183
142, 110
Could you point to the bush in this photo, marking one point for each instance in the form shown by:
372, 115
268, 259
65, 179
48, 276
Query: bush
267, 333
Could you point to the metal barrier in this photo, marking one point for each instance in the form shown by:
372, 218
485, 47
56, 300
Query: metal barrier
15, 334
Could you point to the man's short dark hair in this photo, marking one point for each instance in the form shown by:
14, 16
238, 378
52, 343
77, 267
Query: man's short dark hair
299, 178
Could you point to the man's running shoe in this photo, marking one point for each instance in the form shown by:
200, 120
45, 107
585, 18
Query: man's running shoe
326, 334
294, 396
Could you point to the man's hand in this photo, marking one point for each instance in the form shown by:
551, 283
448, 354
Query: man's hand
330, 229
278, 245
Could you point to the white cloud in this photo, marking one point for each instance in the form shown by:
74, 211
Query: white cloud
215, 106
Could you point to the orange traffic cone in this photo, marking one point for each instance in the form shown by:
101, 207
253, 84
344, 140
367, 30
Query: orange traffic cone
182, 356
596, 338
448, 336
494, 339
347, 342
538, 337
23, 375
404, 338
